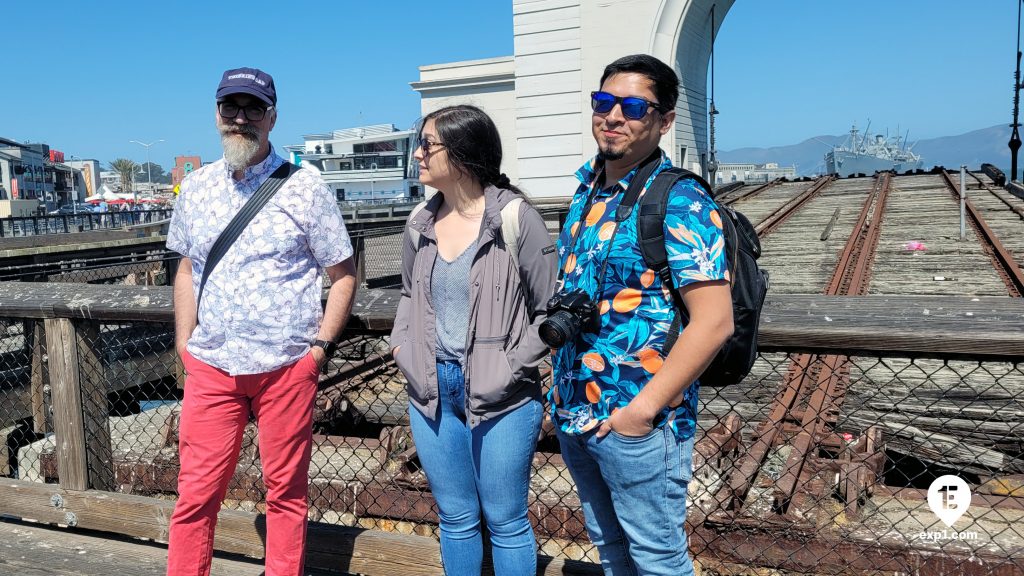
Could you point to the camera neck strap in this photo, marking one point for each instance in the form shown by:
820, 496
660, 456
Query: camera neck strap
622, 211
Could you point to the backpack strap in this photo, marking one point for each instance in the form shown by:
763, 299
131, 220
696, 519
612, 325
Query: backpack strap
510, 229
651, 235
237, 224
414, 233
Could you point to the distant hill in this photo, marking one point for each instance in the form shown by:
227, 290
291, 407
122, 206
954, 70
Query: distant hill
972, 149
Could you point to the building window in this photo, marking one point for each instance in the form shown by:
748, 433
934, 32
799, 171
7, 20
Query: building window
370, 147
329, 148
340, 194
381, 162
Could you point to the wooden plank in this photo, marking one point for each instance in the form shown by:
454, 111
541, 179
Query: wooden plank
34, 333
80, 405
983, 327
348, 550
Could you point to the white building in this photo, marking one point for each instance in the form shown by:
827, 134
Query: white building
751, 173
540, 96
364, 164
89, 180
23, 171
110, 179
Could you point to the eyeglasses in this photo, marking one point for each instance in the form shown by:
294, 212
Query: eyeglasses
426, 145
253, 112
632, 107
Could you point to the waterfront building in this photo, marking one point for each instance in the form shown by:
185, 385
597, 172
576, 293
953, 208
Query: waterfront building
111, 180
88, 181
23, 171
366, 164
540, 96
182, 166
34, 177
752, 173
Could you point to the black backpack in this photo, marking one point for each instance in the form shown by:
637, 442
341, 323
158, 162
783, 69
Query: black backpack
749, 284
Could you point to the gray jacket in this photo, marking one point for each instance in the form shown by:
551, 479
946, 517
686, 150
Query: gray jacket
506, 306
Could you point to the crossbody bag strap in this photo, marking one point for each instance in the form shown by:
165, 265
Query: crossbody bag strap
234, 228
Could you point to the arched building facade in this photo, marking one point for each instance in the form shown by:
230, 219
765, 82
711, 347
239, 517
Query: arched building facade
539, 97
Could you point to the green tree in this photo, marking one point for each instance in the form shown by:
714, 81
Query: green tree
155, 171
126, 168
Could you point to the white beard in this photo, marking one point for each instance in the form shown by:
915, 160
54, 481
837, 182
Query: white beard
240, 148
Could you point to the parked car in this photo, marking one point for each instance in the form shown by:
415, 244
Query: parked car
81, 208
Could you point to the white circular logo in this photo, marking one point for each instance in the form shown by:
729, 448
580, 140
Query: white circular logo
949, 497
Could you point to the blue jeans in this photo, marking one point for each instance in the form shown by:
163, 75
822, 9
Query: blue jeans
633, 492
485, 468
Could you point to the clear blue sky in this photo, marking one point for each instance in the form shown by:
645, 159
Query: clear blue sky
89, 77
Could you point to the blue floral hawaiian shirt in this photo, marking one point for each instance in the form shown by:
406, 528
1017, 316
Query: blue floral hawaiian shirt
601, 372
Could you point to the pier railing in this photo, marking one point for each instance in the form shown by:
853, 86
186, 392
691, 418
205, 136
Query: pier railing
15, 226
819, 463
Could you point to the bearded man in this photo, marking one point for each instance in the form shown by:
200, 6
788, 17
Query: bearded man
256, 340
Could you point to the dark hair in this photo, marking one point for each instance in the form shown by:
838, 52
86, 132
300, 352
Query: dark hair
661, 75
473, 143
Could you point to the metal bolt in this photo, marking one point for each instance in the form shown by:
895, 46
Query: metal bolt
57, 501
70, 519
46, 389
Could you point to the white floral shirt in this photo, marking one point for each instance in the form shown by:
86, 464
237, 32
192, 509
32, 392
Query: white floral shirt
261, 307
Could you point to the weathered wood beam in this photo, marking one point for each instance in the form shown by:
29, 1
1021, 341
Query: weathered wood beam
984, 328
79, 396
348, 550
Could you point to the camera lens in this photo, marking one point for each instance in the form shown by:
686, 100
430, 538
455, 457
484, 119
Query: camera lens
558, 328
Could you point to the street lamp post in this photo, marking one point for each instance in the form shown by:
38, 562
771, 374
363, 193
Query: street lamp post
149, 175
74, 196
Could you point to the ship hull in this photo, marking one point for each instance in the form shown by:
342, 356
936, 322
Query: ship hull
848, 163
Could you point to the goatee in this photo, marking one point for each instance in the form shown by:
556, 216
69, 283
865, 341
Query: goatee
609, 154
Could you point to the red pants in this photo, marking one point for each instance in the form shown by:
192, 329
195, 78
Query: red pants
213, 417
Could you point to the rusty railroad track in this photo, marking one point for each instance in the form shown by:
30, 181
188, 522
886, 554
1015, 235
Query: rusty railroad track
1002, 259
819, 384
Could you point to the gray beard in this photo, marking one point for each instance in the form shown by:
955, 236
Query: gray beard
239, 152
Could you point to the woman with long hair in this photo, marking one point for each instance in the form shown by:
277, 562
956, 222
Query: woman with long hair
466, 338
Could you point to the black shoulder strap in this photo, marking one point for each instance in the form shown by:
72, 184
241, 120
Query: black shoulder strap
234, 228
651, 235
636, 185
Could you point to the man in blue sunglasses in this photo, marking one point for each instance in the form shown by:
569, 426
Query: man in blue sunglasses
624, 409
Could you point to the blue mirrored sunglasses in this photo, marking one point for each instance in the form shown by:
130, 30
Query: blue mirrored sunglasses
632, 107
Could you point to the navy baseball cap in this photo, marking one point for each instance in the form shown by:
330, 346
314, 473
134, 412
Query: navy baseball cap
252, 81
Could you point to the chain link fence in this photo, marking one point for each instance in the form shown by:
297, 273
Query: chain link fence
379, 256
143, 267
785, 477
24, 417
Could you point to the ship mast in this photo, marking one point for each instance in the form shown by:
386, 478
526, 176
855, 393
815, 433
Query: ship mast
1014, 143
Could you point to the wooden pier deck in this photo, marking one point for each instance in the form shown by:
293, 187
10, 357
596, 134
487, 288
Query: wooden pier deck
933, 366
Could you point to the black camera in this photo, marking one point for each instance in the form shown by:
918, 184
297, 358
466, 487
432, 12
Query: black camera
569, 314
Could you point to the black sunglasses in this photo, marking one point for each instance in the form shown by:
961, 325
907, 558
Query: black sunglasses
427, 145
253, 112
632, 107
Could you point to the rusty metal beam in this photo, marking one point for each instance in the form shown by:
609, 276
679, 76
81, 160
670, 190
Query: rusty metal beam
1003, 261
1015, 209
733, 198
780, 215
